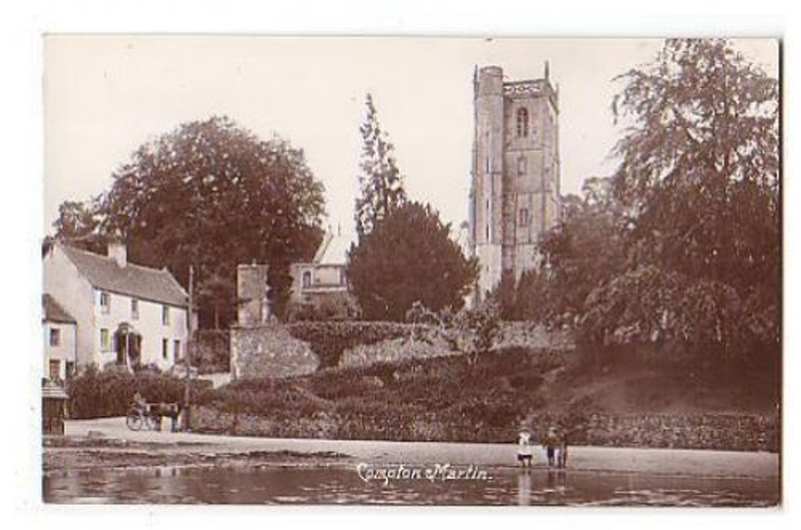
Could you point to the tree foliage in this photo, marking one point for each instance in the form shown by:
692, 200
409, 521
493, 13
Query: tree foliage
699, 187
583, 251
213, 195
683, 243
78, 224
409, 256
380, 181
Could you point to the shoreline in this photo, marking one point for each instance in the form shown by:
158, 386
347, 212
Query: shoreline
99, 440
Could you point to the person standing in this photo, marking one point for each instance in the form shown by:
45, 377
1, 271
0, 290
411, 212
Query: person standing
550, 445
524, 454
563, 443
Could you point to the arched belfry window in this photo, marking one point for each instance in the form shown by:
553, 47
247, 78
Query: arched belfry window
522, 122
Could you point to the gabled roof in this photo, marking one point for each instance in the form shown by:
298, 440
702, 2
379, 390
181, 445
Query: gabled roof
53, 312
333, 250
156, 285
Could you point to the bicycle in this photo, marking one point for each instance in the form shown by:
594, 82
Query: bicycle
136, 419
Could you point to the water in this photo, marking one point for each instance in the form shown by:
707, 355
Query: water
271, 485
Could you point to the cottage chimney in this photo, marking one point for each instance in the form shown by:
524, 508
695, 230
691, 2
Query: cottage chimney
117, 251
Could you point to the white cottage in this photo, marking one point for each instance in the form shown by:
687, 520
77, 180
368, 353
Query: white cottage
124, 313
60, 335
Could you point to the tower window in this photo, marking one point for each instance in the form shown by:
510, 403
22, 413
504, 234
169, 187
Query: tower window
522, 122
522, 217
521, 166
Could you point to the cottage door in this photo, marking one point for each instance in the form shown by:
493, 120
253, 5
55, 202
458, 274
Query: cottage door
120, 343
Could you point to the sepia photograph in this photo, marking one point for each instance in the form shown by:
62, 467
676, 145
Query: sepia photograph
386, 270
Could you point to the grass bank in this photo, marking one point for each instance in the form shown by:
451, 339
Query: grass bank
617, 403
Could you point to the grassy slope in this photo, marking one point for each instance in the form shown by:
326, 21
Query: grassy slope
447, 399
517, 382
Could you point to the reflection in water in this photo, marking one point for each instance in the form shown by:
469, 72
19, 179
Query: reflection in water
270, 485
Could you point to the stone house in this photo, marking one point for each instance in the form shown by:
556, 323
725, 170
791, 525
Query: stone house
60, 336
324, 279
124, 313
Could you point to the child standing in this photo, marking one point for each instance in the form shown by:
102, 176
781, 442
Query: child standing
524, 454
550, 445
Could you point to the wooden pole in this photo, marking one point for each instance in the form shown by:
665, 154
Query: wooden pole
188, 355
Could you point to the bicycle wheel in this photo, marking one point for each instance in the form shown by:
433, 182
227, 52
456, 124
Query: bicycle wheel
134, 421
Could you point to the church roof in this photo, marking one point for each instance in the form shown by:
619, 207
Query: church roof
53, 312
333, 250
156, 285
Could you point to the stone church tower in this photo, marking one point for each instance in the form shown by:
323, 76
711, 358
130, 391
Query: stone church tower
514, 195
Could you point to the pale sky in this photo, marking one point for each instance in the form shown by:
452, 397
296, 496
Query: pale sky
106, 95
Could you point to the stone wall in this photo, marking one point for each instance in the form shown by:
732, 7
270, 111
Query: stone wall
394, 350
269, 351
723, 432
526, 335
512, 334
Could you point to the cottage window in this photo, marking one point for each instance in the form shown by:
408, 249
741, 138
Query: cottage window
176, 350
165, 348
165, 315
55, 336
307, 279
134, 309
105, 340
105, 302
522, 122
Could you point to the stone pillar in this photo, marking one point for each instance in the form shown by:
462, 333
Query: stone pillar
251, 289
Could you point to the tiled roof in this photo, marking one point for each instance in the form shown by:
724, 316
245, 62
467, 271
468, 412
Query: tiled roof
53, 312
134, 280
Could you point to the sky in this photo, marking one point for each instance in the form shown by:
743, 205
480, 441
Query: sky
107, 95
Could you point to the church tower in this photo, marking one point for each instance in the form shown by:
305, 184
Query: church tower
514, 195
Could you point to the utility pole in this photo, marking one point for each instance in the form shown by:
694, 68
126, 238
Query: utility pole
188, 355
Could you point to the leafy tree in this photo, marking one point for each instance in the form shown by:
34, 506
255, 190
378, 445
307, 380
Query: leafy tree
699, 186
581, 252
380, 181
409, 256
78, 224
213, 195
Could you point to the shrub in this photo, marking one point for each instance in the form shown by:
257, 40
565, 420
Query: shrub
98, 394
328, 340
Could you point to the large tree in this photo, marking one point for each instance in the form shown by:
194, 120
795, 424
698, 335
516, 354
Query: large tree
409, 257
380, 182
213, 195
699, 187
78, 224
